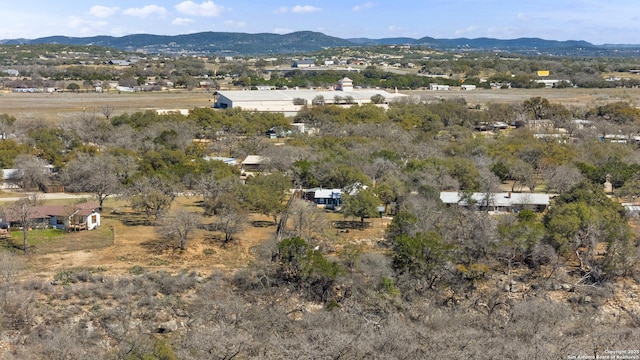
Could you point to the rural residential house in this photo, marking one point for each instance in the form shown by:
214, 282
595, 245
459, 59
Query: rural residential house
498, 202
253, 163
84, 216
325, 198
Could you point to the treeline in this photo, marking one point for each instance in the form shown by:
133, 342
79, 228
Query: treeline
443, 130
54, 54
478, 69
371, 77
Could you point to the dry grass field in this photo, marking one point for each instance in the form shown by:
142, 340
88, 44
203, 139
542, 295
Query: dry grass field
56, 107
124, 242
568, 97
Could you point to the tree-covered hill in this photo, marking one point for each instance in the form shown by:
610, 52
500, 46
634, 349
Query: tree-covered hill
307, 41
204, 42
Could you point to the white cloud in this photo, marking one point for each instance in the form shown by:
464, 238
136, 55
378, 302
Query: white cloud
85, 27
367, 5
281, 10
146, 11
236, 24
206, 8
305, 9
103, 11
181, 21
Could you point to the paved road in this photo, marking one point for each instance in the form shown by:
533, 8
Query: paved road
44, 196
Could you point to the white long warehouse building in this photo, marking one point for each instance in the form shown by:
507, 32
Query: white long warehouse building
282, 101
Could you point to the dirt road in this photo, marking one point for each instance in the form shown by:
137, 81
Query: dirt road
43, 196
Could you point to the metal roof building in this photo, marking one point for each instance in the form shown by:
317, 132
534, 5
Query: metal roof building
290, 102
499, 202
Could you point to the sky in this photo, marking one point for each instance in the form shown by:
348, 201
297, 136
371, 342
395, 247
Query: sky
595, 21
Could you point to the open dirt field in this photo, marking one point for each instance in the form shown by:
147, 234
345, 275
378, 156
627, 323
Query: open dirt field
567, 97
56, 107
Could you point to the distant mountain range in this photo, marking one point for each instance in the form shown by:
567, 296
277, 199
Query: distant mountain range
308, 41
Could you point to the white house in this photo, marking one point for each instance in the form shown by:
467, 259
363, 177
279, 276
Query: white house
438, 87
498, 202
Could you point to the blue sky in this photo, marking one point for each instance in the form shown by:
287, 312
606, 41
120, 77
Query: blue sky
596, 21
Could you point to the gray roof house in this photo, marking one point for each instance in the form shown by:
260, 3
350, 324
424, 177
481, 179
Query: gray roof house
498, 202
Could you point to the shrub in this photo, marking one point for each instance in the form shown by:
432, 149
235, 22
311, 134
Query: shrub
137, 270
387, 286
156, 261
63, 277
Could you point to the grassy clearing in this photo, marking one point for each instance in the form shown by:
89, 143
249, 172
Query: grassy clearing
48, 241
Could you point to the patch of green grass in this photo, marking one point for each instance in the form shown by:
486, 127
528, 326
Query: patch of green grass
44, 241
137, 270
36, 237
156, 261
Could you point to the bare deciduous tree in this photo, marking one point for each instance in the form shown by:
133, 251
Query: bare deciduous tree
93, 174
107, 111
152, 195
562, 178
31, 172
10, 265
306, 217
231, 223
22, 213
179, 226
